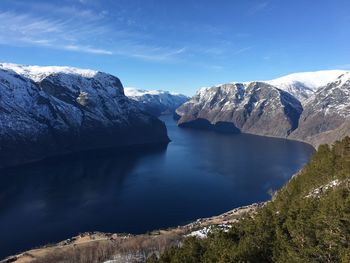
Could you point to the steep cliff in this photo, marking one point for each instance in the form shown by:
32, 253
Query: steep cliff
46, 111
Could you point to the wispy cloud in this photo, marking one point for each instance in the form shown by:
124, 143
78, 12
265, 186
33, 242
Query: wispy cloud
258, 7
159, 54
242, 50
81, 28
24, 29
86, 31
88, 49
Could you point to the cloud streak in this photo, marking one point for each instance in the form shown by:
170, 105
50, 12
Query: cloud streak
242, 50
78, 28
86, 32
23, 29
258, 7
88, 49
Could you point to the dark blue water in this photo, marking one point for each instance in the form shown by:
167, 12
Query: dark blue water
199, 174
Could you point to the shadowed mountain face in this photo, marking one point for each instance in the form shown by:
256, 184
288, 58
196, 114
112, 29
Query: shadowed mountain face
321, 116
47, 111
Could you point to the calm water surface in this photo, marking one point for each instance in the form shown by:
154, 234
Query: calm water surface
199, 174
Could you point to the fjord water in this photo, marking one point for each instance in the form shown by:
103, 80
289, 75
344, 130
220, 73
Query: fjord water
199, 174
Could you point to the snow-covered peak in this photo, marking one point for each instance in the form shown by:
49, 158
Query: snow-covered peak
38, 73
156, 102
344, 78
312, 80
134, 92
301, 85
304, 84
333, 98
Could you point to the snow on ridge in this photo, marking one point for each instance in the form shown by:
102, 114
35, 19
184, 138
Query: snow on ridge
343, 78
301, 85
134, 92
312, 80
38, 73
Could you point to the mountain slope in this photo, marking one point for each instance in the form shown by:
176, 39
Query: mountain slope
251, 108
326, 114
156, 102
46, 111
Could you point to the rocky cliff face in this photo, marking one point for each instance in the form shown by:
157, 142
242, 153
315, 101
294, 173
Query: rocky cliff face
252, 108
46, 111
326, 115
320, 115
156, 102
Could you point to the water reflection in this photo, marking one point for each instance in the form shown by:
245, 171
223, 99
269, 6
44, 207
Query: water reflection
51, 200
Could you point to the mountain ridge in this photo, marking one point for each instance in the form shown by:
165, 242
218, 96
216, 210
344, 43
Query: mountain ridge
62, 110
212, 105
156, 102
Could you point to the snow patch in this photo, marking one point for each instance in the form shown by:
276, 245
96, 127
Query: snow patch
316, 193
204, 232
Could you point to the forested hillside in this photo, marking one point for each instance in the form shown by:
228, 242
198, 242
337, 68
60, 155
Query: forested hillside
307, 221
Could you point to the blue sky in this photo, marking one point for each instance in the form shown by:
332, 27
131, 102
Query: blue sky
178, 45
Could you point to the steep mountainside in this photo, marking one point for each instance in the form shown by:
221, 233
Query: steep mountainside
326, 115
322, 116
252, 108
46, 111
156, 102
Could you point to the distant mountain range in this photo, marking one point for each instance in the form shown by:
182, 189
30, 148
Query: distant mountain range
46, 111
156, 102
310, 106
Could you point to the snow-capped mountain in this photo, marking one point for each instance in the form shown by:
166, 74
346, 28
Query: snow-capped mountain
55, 110
156, 102
310, 106
252, 108
326, 115
303, 85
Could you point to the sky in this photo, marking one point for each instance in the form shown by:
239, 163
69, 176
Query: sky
178, 45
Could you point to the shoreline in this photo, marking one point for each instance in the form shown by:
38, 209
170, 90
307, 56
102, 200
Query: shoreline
253, 134
124, 243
